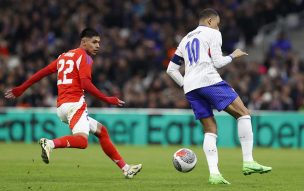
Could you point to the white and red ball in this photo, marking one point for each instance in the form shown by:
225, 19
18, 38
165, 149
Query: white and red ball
184, 160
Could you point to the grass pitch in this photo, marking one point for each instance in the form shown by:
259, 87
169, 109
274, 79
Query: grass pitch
21, 168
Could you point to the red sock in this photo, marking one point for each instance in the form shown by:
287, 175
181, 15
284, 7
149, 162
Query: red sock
73, 141
108, 147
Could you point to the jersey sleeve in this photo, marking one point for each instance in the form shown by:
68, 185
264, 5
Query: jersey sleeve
174, 73
52, 67
178, 58
216, 51
84, 65
178, 51
49, 69
87, 85
174, 65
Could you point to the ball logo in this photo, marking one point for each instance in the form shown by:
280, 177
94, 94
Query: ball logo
188, 156
181, 153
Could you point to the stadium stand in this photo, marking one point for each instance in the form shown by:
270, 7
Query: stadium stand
138, 39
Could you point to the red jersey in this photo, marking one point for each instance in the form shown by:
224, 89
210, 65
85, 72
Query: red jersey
72, 66
74, 70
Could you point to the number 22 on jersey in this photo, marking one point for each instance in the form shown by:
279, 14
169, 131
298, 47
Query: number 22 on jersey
193, 50
63, 71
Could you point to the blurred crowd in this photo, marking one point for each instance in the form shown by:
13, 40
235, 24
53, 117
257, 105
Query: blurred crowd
139, 38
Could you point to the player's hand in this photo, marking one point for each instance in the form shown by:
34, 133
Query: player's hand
9, 94
115, 101
121, 103
238, 53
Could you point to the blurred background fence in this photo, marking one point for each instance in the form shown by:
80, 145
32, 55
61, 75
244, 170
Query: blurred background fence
156, 127
139, 38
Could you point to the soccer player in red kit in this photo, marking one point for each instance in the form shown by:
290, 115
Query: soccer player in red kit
74, 70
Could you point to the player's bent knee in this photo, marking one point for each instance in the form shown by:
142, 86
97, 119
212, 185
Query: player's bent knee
83, 142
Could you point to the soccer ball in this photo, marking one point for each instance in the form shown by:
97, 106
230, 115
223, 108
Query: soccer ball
184, 160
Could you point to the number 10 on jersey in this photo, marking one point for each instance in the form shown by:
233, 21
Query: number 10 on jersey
193, 48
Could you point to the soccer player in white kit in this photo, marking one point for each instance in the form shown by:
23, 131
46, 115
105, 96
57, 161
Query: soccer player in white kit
200, 51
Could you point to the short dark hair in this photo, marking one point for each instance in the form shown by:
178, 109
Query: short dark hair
206, 13
88, 32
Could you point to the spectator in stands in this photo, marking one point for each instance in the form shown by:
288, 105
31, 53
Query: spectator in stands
139, 37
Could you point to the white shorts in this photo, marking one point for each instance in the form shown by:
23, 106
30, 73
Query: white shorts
76, 115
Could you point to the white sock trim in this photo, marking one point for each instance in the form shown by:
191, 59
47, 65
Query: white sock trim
51, 143
211, 134
244, 117
126, 167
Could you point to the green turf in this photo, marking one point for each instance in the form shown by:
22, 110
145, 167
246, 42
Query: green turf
70, 169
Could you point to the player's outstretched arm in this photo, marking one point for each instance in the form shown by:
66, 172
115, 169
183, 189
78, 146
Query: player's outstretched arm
238, 53
88, 86
19, 90
216, 52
